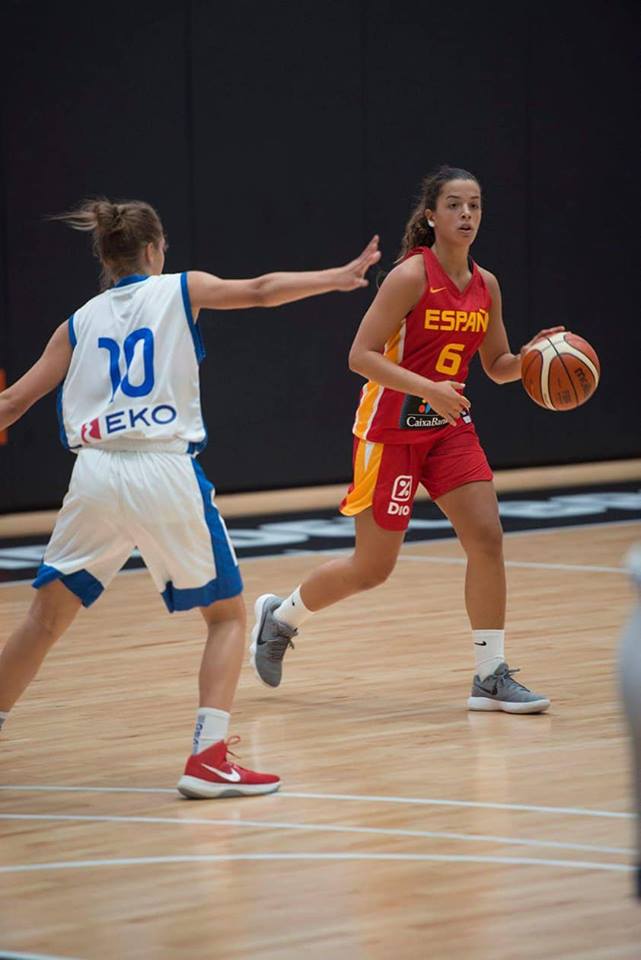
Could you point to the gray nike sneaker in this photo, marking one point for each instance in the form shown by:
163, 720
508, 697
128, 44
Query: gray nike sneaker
500, 691
270, 640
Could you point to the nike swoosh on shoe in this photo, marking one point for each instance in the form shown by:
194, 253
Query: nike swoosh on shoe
233, 777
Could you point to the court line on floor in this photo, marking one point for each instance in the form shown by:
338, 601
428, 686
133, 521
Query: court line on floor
410, 543
271, 857
288, 794
476, 804
12, 955
566, 528
320, 827
527, 564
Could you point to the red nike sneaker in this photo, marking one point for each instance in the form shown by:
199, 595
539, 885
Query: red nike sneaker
209, 774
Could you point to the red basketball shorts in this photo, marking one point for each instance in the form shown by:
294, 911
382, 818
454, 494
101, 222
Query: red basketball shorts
386, 476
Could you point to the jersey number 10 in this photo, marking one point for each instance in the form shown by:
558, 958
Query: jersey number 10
143, 336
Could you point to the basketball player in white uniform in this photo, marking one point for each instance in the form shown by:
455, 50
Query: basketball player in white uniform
129, 406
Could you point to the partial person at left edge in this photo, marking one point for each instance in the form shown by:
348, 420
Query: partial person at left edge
127, 368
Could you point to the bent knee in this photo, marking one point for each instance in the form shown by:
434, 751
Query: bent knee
486, 539
366, 578
46, 621
225, 610
53, 608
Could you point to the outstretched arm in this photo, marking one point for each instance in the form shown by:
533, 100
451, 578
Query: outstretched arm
44, 375
272, 289
499, 363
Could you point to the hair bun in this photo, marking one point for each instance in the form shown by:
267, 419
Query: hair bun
120, 231
106, 216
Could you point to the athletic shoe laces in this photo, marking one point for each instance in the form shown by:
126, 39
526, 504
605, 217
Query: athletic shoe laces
230, 753
276, 648
507, 677
231, 740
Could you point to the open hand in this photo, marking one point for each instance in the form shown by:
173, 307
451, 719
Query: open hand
542, 333
444, 397
352, 275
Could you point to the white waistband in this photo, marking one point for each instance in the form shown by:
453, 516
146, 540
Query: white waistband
136, 446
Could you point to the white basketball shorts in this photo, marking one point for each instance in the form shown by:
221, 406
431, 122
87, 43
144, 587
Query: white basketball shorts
161, 503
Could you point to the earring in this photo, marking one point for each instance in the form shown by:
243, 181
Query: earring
430, 223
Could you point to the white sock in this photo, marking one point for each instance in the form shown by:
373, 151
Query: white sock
211, 726
293, 611
488, 650
3, 717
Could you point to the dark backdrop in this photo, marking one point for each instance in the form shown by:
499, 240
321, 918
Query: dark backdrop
281, 136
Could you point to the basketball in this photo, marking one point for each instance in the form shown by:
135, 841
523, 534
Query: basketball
560, 372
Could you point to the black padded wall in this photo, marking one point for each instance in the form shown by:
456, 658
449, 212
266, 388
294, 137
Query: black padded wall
281, 136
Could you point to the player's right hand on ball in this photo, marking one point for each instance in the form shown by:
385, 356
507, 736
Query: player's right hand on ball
447, 399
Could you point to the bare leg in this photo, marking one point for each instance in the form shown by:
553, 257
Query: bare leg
630, 680
473, 512
52, 611
223, 654
208, 771
373, 560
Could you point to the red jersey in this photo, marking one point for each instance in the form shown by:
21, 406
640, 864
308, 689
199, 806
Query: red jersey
437, 339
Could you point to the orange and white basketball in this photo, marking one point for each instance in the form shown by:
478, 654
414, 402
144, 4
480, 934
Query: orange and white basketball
560, 372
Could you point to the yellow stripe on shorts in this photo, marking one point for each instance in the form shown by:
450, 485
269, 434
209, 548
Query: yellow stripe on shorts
372, 392
366, 408
366, 466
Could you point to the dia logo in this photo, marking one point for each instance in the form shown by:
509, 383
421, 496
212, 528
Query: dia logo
401, 493
398, 509
402, 489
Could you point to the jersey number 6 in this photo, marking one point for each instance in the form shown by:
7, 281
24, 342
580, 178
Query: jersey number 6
146, 337
449, 359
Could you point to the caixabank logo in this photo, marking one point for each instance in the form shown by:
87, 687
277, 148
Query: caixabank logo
400, 496
417, 414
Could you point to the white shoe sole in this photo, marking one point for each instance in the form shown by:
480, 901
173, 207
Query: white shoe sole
196, 789
258, 613
485, 703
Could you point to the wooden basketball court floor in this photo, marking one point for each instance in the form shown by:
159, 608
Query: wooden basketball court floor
406, 827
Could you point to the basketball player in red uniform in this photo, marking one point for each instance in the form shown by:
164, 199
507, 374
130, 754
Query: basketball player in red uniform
433, 312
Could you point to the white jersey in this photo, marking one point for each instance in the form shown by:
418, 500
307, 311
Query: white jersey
133, 379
